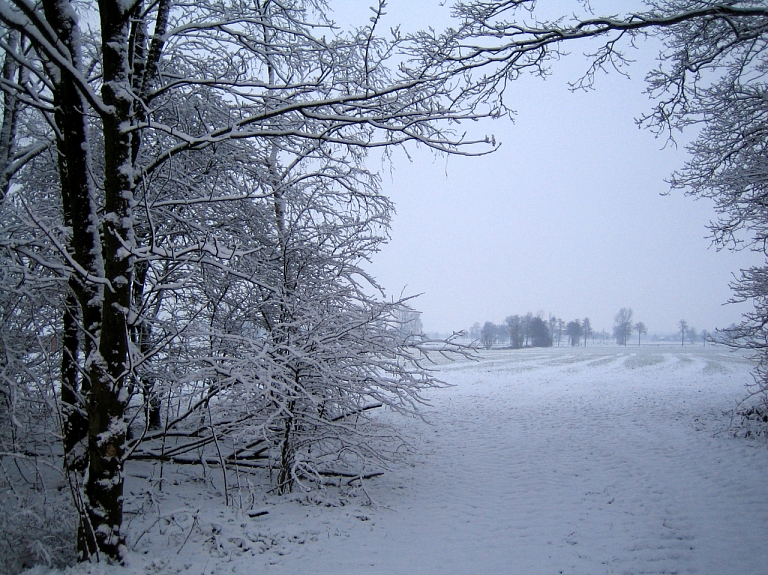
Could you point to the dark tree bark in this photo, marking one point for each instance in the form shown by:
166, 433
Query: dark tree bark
79, 207
10, 114
110, 371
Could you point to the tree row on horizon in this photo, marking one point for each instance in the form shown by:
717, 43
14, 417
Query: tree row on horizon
529, 330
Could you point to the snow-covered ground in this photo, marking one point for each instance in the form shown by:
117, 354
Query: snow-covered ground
564, 460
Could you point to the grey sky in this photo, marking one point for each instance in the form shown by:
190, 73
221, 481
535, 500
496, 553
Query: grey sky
566, 218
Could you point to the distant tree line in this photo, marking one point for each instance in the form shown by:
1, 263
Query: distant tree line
529, 330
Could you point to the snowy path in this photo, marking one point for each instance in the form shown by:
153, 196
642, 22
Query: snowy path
570, 461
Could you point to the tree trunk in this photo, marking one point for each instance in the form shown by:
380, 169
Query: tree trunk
80, 211
285, 476
110, 371
10, 114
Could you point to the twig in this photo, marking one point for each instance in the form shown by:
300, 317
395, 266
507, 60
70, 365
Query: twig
221, 459
194, 522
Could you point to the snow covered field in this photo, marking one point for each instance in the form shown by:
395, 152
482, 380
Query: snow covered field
563, 460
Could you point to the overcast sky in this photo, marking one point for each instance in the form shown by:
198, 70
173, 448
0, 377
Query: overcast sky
567, 218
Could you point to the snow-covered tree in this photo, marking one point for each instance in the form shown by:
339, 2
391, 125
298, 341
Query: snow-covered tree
205, 210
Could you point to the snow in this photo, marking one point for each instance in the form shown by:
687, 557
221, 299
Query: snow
563, 460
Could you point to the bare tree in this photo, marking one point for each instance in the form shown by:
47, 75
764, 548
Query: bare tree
489, 334
574, 331
622, 325
641, 331
552, 325
409, 322
526, 327
683, 330
559, 330
586, 327
540, 332
515, 331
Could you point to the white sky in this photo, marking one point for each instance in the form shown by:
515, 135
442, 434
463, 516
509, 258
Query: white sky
566, 218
